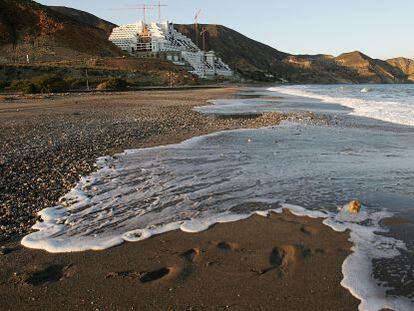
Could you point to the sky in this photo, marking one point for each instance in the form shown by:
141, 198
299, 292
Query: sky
379, 28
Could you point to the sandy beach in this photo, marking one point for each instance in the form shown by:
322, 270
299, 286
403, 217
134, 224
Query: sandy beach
167, 156
49, 142
282, 262
262, 263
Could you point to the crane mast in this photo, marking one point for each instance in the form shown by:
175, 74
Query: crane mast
197, 15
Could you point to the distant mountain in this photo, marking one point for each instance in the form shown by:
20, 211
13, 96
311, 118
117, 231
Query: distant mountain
405, 65
27, 27
56, 33
261, 62
353, 67
371, 70
249, 57
319, 69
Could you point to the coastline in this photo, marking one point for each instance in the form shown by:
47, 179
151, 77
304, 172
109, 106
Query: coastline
281, 262
41, 278
49, 142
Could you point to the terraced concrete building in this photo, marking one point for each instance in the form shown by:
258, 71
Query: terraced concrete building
161, 40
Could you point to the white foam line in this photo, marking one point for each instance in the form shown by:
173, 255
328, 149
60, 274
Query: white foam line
393, 112
356, 269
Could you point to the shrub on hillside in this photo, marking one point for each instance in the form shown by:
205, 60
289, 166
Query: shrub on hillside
112, 84
75, 83
49, 84
40, 84
142, 83
24, 86
3, 85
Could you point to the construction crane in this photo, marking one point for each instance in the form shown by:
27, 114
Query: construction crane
159, 5
144, 8
197, 15
203, 33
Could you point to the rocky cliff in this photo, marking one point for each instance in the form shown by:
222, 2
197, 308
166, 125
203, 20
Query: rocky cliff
56, 33
261, 62
27, 27
405, 65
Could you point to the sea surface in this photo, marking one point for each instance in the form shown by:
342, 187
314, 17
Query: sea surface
365, 151
392, 103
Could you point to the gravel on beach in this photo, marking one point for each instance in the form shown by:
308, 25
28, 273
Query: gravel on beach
49, 142
279, 262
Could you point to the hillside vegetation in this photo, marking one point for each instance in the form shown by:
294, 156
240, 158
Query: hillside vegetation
248, 57
100, 74
405, 65
60, 34
27, 27
261, 62
67, 48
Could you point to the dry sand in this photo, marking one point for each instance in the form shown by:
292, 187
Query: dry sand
281, 262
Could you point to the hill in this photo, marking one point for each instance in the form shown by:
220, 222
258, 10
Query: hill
248, 57
27, 27
261, 62
319, 69
60, 33
353, 67
405, 65
370, 70
69, 50
85, 18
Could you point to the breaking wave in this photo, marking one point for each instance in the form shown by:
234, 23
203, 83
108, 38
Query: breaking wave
382, 102
227, 176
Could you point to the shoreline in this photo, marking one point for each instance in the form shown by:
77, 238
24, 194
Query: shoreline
155, 109
281, 261
72, 132
126, 90
39, 277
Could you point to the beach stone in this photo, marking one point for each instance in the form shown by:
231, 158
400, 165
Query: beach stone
354, 207
61, 147
4, 251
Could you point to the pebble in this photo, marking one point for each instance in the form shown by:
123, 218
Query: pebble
48, 151
4, 251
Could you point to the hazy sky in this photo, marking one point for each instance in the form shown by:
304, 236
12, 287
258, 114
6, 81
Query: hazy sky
379, 28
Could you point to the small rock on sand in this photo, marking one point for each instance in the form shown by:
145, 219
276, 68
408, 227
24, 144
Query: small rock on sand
354, 207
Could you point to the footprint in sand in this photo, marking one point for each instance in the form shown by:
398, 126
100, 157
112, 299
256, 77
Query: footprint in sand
51, 274
309, 230
181, 270
190, 258
284, 258
143, 277
227, 246
191, 255
154, 275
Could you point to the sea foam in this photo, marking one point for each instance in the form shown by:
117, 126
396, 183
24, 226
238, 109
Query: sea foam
376, 105
227, 176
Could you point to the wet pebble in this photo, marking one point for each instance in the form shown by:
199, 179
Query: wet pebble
45, 154
4, 251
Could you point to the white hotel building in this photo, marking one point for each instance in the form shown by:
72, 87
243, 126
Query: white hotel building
161, 40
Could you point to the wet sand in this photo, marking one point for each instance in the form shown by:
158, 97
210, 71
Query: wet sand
282, 262
48, 142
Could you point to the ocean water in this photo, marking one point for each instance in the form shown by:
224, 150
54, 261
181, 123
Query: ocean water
310, 168
392, 103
